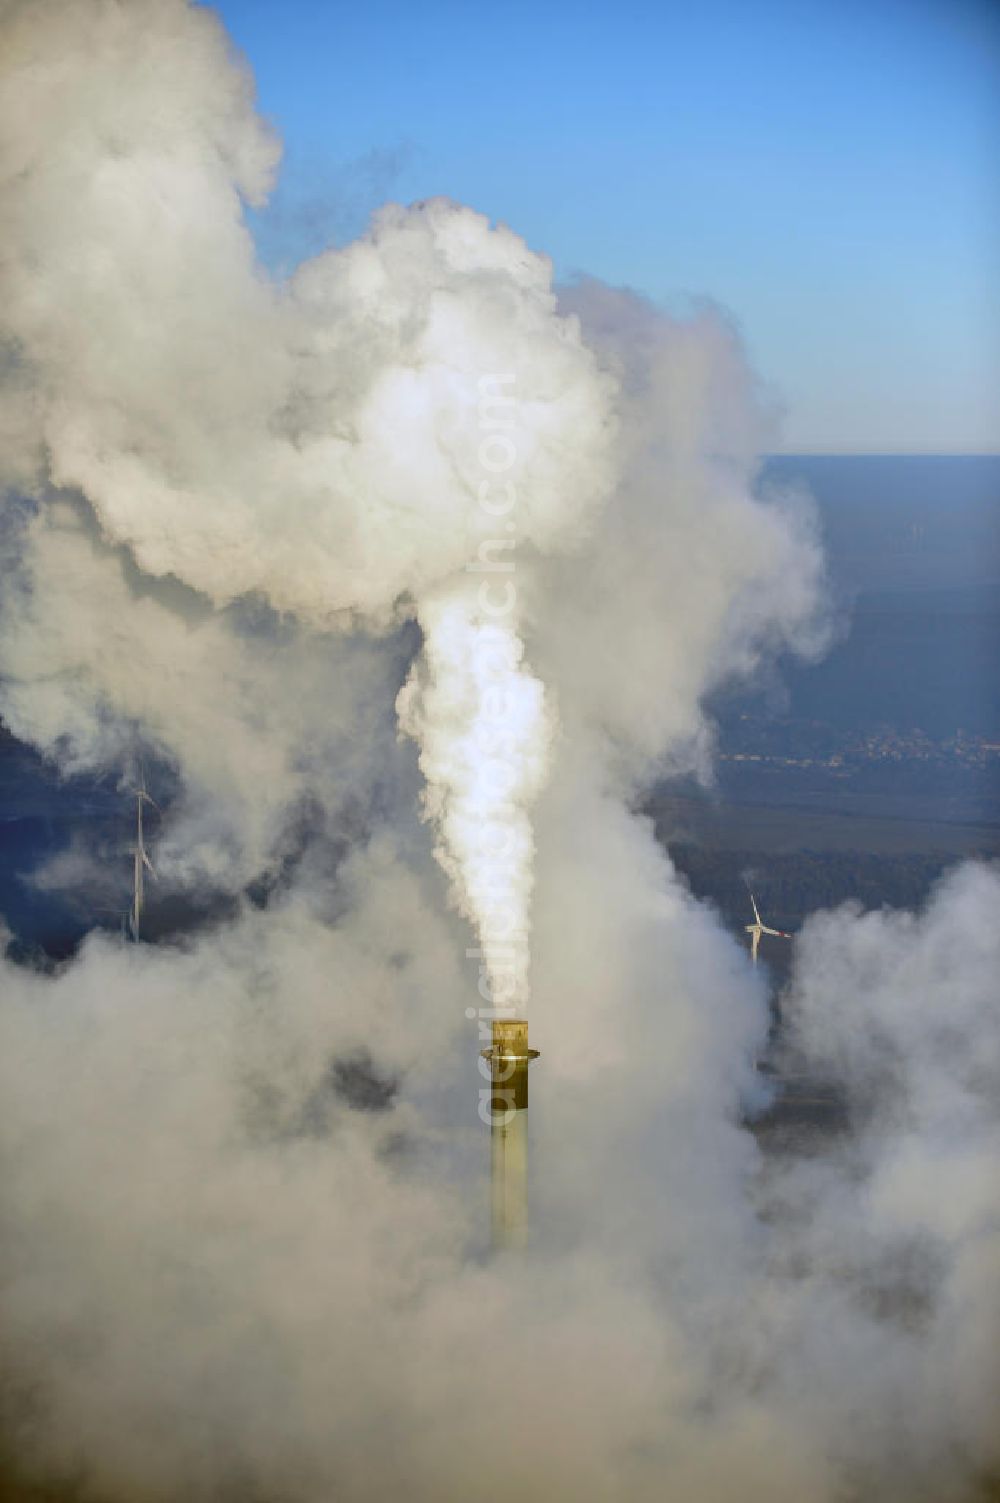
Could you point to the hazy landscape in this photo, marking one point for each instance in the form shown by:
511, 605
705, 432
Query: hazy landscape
862, 776
867, 774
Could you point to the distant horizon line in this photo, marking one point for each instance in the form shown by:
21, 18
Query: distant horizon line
883, 454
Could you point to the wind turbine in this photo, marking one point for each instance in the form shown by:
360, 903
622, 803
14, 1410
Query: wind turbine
141, 859
756, 929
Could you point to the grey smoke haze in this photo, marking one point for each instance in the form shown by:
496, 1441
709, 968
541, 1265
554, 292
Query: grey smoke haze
239, 515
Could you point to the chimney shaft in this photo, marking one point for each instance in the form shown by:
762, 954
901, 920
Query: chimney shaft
509, 1058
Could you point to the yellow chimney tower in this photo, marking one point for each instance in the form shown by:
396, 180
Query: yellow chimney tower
509, 1056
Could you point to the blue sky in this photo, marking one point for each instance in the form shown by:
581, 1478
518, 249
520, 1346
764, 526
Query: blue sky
826, 169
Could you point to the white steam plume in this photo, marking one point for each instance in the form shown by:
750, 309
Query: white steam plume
484, 731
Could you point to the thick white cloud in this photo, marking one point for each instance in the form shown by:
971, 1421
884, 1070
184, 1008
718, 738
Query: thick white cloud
689, 578
258, 715
316, 442
216, 1274
329, 443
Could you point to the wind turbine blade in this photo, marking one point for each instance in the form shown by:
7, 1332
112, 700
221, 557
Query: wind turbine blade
753, 945
149, 865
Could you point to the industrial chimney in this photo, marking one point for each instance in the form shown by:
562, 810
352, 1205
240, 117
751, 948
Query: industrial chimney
509, 1056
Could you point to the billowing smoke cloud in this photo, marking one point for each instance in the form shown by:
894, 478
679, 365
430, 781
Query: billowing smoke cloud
327, 444
260, 528
900, 1011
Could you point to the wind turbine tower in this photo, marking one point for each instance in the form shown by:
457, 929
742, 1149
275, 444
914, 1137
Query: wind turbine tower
141, 863
756, 929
